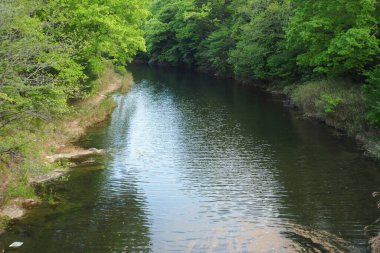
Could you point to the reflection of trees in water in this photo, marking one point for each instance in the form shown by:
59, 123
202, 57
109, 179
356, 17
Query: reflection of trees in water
230, 171
328, 182
218, 161
118, 220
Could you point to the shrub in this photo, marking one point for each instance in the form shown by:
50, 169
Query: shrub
337, 102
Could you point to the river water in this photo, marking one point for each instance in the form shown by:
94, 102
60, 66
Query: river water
200, 164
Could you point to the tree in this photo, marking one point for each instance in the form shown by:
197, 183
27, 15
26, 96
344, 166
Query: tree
48, 49
259, 40
99, 29
334, 37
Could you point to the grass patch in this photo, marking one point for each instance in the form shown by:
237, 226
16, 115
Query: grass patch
90, 116
337, 102
20, 190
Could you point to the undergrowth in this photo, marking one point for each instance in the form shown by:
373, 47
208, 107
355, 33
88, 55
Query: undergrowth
340, 104
337, 102
35, 142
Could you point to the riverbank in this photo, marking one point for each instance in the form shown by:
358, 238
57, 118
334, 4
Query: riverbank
52, 141
339, 104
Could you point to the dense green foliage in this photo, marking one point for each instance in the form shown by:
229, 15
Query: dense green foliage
51, 52
334, 37
272, 40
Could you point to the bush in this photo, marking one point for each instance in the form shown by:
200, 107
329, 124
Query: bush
338, 103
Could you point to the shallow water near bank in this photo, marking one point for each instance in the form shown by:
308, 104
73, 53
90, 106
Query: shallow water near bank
199, 164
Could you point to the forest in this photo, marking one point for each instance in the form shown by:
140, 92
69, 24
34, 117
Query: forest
51, 54
324, 54
333, 45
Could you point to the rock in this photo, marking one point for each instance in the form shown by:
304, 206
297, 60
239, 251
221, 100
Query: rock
15, 209
290, 104
75, 154
96, 151
375, 244
361, 138
16, 245
48, 177
71, 164
90, 161
29, 203
13, 212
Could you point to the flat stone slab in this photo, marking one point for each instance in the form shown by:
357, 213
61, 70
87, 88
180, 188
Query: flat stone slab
375, 244
16, 208
75, 154
29, 203
13, 212
55, 174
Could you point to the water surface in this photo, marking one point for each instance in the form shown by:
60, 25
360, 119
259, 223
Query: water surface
199, 164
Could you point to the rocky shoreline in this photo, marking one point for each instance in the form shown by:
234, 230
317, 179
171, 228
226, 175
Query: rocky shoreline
16, 208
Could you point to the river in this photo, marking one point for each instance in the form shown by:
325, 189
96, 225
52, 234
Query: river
201, 164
